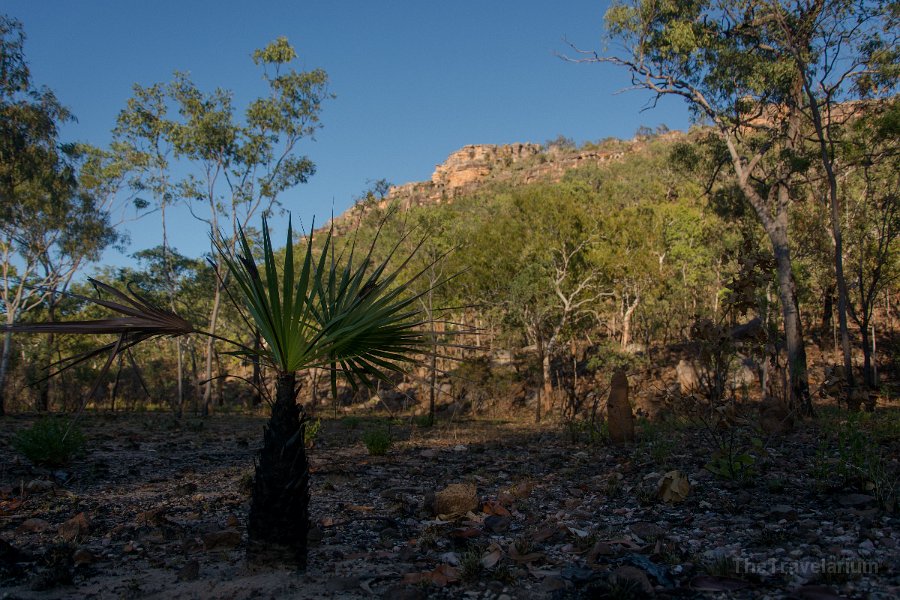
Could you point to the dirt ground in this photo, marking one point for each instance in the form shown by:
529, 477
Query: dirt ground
157, 508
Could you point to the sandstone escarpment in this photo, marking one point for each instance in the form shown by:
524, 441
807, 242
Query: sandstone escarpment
476, 165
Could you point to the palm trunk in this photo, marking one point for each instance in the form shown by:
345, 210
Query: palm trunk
279, 509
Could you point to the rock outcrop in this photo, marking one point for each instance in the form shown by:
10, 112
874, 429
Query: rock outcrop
476, 165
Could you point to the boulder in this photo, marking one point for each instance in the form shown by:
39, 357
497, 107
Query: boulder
456, 499
688, 377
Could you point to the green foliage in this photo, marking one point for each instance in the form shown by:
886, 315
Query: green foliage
851, 451
346, 315
423, 421
608, 357
311, 429
658, 439
377, 441
351, 422
50, 441
587, 431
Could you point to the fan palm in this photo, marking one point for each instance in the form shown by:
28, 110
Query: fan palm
351, 315
348, 316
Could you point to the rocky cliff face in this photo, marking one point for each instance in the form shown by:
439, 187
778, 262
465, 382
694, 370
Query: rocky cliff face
474, 166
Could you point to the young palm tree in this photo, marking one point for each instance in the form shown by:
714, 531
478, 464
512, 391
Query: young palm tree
349, 317
352, 317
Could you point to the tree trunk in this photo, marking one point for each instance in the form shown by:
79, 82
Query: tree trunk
626, 322
867, 340
793, 329
4, 368
179, 373
828, 311
542, 386
279, 509
210, 349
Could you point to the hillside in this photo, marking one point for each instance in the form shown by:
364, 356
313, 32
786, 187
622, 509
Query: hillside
474, 166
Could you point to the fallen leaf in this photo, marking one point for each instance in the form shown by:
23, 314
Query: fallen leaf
74, 528
464, 533
493, 555
33, 526
83, 556
493, 507
442, 576
228, 538
545, 533
674, 487
577, 532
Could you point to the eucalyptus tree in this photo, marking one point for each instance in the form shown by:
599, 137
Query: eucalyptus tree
238, 169
531, 254
845, 55
717, 56
48, 225
871, 156
142, 139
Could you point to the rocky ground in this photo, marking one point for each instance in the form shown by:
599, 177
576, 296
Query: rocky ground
157, 508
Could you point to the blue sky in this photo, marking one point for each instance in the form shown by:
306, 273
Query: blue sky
415, 79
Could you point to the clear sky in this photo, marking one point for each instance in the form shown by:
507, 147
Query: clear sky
415, 79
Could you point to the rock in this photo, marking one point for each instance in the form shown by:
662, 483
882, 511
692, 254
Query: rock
774, 417
648, 531
688, 377
673, 487
783, 511
552, 584
76, 527
456, 498
618, 410
429, 453
746, 374
83, 556
190, 571
635, 576
856, 500
496, 524
227, 538
405, 592
38, 486
472, 164
33, 526
342, 584
315, 535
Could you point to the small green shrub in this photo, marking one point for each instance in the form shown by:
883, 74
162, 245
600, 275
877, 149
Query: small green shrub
423, 421
50, 442
607, 357
311, 431
351, 422
377, 442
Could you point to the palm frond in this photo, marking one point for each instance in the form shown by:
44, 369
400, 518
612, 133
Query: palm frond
343, 311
